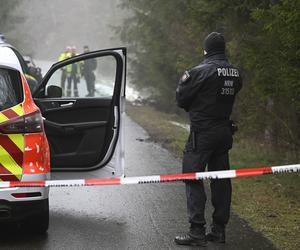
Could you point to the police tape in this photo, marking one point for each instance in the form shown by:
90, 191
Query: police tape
225, 174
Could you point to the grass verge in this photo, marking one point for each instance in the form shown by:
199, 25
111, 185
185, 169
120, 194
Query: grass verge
271, 204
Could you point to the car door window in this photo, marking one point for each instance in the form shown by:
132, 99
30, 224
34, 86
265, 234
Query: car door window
10, 88
90, 78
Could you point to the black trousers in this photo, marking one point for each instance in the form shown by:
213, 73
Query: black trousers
209, 148
90, 83
75, 88
63, 79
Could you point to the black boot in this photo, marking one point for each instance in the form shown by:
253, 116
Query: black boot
195, 237
217, 234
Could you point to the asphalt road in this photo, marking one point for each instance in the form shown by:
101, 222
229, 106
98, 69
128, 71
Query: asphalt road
127, 217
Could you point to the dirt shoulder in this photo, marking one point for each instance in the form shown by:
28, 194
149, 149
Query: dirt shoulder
270, 204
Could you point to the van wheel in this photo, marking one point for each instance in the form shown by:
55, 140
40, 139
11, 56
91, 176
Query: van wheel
39, 223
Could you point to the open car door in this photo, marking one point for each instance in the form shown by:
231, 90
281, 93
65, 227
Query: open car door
82, 103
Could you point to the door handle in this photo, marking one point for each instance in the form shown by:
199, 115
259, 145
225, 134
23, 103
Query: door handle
67, 104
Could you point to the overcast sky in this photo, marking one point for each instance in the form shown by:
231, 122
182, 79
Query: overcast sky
45, 27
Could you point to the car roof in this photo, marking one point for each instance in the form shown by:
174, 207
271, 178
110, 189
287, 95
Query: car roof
9, 58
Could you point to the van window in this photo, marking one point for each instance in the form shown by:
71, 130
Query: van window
10, 88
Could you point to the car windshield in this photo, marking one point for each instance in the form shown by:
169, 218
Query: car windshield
10, 88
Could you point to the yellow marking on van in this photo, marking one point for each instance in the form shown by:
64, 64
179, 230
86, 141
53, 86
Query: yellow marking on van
18, 109
18, 139
9, 163
3, 118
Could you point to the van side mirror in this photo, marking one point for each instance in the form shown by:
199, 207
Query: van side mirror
54, 91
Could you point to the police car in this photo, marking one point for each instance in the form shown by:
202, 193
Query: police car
45, 131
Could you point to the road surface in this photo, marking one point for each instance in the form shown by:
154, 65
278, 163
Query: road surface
127, 217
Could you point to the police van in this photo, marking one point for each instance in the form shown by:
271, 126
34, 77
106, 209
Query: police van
46, 131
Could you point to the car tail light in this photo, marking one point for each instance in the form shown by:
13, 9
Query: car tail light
30, 123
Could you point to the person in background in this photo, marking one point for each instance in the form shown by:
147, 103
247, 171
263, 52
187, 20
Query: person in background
208, 92
32, 82
36, 72
73, 75
88, 68
63, 56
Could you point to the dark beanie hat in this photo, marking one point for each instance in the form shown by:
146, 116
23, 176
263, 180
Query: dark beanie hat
214, 43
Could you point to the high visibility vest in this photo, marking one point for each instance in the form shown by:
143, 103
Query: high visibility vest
64, 56
69, 68
30, 77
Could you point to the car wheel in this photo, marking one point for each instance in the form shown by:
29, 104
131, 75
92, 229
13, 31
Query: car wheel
39, 223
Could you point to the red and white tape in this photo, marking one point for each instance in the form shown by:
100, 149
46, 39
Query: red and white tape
155, 178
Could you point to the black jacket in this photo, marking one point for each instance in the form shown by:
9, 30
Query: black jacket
208, 91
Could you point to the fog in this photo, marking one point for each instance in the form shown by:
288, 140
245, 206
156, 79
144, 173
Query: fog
45, 27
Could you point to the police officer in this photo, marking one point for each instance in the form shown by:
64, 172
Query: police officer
207, 92
87, 71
